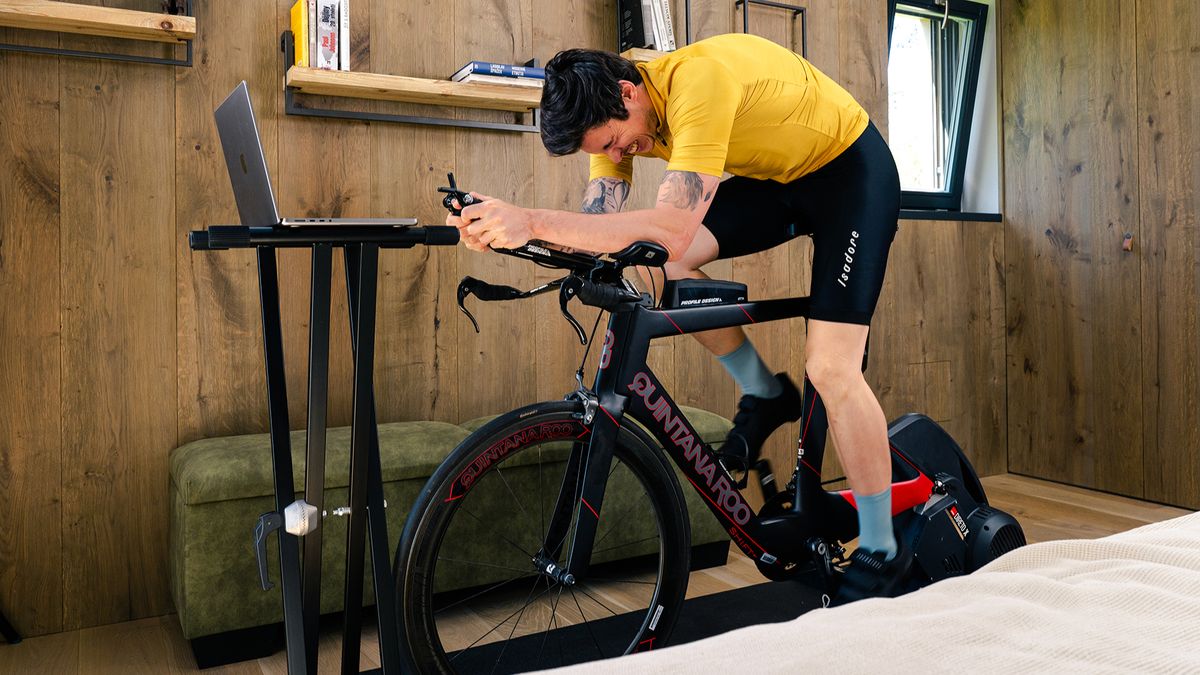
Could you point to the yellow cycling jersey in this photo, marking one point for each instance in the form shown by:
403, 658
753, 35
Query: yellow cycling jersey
743, 104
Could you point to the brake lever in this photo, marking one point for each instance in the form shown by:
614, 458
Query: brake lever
569, 289
493, 292
467, 287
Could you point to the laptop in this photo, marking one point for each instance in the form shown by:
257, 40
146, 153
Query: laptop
248, 170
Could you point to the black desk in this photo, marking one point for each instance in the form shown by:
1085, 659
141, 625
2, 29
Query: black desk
301, 592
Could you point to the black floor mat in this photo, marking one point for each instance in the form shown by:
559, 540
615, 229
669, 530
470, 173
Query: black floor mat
701, 617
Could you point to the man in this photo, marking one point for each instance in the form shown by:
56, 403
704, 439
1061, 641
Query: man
804, 159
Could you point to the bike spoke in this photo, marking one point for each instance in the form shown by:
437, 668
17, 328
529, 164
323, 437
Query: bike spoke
504, 620
500, 656
618, 546
596, 600
489, 589
485, 523
587, 624
483, 564
617, 580
549, 624
507, 486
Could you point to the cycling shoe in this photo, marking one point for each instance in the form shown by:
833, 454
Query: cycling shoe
752, 425
870, 576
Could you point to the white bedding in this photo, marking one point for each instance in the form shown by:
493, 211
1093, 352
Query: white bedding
1126, 603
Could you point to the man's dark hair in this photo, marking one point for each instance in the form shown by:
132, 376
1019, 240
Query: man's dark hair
581, 92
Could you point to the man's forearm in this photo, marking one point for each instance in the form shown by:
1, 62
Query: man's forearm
611, 232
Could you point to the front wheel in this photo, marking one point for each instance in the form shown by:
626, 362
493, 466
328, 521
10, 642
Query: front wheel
478, 583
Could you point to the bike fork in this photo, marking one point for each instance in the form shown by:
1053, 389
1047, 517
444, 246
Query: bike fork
580, 498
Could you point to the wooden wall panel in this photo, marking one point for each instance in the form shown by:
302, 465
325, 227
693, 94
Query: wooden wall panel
31, 448
937, 339
416, 367
1168, 126
118, 337
221, 377
496, 164
1074, 318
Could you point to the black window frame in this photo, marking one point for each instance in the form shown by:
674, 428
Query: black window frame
951, 198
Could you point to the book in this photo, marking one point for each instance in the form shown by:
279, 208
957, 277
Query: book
312, 32
344, 35
327, 34
668, 27
299, 26
506, 81
660, 42
501, 69
629, 19
648, 24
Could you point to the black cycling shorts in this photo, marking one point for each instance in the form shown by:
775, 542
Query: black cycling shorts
850, 207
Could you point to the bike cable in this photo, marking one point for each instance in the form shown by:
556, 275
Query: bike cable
587, 350
653, 288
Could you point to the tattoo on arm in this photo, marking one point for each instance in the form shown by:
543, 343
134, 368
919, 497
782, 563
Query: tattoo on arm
605, 195
683, 190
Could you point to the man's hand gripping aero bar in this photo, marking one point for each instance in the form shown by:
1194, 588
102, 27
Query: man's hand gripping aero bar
595, 281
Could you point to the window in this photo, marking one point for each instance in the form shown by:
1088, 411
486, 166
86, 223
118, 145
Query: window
933, 71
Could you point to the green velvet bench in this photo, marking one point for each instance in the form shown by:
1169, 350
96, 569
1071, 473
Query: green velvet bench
220, 486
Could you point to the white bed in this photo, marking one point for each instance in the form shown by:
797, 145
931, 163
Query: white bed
1126, 603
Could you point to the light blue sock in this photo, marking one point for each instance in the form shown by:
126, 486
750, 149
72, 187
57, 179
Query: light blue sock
875, 522
750, 373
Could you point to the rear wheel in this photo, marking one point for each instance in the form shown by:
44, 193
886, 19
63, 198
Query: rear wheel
476, 589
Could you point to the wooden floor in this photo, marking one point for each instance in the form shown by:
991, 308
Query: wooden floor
1046, 511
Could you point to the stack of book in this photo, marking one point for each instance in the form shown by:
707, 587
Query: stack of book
500, 73
645, 24
321, 29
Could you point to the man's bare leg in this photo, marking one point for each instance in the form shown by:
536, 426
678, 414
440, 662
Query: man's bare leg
834, 354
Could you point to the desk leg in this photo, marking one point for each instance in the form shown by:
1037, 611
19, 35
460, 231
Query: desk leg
314, 466
281, 462
361, 273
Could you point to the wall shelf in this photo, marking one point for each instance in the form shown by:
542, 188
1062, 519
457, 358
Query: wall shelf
412, 89
424, 91
127, 24
640, 55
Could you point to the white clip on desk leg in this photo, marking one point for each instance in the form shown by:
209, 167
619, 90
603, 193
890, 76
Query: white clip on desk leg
300, 518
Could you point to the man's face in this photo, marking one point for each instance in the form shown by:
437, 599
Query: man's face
618, 138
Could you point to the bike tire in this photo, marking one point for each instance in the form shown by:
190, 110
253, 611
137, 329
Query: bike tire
482, 502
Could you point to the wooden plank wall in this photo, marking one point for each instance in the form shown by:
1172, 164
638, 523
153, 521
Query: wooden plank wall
119, 343
1100, 128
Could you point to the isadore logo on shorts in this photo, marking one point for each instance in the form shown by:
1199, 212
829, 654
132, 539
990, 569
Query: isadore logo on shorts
849, 255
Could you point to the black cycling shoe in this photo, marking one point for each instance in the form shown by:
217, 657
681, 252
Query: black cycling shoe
755, 420
870, 576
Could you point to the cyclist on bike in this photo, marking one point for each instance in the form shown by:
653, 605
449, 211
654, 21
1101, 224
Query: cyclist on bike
805, 160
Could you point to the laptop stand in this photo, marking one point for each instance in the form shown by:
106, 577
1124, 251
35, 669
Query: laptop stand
301, 591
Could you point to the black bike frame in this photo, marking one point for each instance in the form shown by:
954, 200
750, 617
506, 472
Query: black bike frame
625, 385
